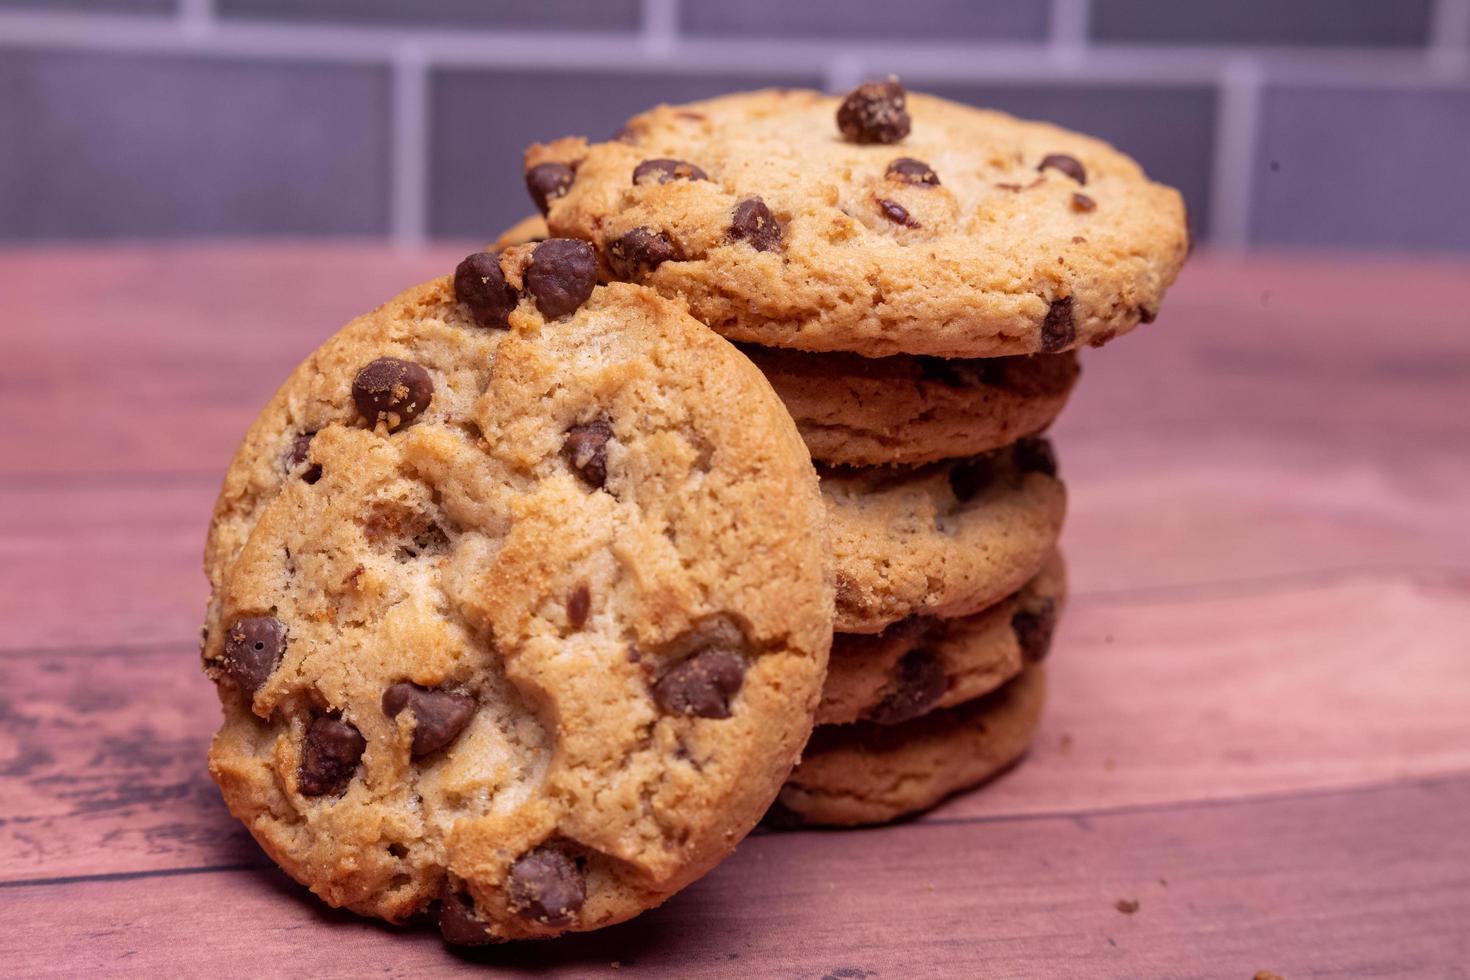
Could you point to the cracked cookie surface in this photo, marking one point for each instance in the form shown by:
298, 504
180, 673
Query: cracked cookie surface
946, 539
960, 233
521, 604
867, 411
922, 664
866, 773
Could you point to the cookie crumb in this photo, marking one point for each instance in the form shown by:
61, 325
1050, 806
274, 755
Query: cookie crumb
1267, 975
1126, 905
615, 965
1065, 745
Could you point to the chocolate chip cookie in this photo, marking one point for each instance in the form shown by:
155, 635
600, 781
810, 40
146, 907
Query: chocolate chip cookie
920, 664
864, 411
881, 223
943, 540
521, 603
868, 773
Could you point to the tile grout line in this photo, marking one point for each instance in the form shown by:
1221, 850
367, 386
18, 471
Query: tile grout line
983, 62
1067, 27
842, 73
409, 140
196, 17
660, 27
1449, 38
1237, 122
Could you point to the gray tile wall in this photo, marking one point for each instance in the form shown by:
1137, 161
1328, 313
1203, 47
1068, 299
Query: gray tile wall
947, 20
1359, 165
107, 145
1371, 23
96, 6
564, 15
1342, 123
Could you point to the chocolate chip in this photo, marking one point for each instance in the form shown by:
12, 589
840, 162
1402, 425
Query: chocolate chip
548, 181
919, 682
896, 213
393, 391
481, 287
458, 923
300, 446
967, 477
1033, 627
1146, 315
1081, 202
1034, 454
912, 171
253, 649
561, 276
1057, 330
329, 756
754, 223
702, 685
874, 112
546, 885
1068, 165
579, 604
439, 716
585, 449
641, 251
662, 170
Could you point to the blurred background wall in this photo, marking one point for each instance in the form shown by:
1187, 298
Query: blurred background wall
1343, 123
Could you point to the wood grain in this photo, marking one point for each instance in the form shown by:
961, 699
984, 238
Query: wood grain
1260, 694
1373, 882
1306, 685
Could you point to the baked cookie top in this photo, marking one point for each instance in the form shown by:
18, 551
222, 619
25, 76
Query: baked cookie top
521, 603
882, 223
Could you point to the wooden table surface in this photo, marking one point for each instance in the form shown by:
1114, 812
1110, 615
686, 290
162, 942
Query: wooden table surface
1259, 729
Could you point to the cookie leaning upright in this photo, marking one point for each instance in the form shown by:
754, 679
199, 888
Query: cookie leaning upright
879, 224
521, 603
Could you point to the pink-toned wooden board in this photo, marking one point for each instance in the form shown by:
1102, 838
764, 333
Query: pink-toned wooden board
1373, 882
1261, 691
1140, 714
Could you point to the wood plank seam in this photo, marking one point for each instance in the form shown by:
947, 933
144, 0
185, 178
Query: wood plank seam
1432, 782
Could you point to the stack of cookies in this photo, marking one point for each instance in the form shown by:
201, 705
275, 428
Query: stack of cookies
523, 586
912, 276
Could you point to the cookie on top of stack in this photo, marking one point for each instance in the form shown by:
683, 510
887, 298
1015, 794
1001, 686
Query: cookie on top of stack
912, 276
